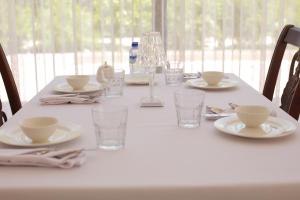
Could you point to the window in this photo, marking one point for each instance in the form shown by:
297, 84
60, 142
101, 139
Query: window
45, 38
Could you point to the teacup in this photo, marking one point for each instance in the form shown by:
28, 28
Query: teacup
78, 82
39, 129
252, 115
212, 77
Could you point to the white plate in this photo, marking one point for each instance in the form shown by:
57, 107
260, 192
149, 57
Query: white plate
272, 128
66, 88
64, 133
137, 80
200, 83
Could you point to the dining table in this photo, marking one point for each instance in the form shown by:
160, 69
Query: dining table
160, 160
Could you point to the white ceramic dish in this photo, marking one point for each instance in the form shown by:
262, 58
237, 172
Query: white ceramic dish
272, 128
252, 115
77, 82
65, 132
66, 88
201, 84
212, 77
39, 129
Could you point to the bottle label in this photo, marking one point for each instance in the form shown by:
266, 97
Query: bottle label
132, 59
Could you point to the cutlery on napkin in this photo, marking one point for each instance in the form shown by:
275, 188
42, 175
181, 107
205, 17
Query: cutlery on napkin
42, 157
214, 113
70, 98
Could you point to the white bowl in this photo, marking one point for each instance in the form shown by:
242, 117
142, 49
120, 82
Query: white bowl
212, 77
39, 129
252, 115
78, 82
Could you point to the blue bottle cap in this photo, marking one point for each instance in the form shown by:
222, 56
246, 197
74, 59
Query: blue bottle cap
134, 44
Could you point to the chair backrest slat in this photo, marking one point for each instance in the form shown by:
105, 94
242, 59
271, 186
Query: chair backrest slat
9, 83
292, 36
276, 60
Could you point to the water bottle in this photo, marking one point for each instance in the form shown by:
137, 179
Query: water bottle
133, 53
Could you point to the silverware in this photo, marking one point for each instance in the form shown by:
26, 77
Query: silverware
214, 113
233, 106
214, 110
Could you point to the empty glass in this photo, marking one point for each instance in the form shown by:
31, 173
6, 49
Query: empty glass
110, 126
189, 104
174, 73
114, 85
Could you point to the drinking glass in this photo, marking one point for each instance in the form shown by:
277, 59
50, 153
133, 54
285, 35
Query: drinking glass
174, 73
114, 85
110, 126
189, 104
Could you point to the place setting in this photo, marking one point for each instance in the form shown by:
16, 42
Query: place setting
254, 121
32, 143
40, 132
76, 89
80, 89
212, 80
76, 84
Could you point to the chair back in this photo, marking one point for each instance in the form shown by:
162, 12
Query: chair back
290, 98
9, 83
3, 117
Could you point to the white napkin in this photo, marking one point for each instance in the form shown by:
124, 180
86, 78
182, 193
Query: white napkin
69, 98
42, 157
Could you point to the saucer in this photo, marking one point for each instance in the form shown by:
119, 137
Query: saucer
65, 132
273, 127
200, 83
66, 88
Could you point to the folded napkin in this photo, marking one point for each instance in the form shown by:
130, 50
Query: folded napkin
42, 157
70, 98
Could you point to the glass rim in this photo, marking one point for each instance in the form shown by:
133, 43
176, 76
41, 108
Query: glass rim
189, 91
109, 109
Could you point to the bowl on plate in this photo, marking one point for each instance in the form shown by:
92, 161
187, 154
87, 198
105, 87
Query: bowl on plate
212, 77
252, 115
39, 129
78, 82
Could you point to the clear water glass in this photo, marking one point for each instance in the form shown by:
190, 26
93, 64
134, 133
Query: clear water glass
189, 104
174, 73
114, 87
110, 126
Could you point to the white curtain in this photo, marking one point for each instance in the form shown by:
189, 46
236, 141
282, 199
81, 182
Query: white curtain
235, 36
46, 38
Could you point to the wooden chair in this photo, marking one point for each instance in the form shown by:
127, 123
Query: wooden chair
290, 100
10, 86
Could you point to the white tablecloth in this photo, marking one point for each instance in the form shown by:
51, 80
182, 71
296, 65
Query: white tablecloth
162, 161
